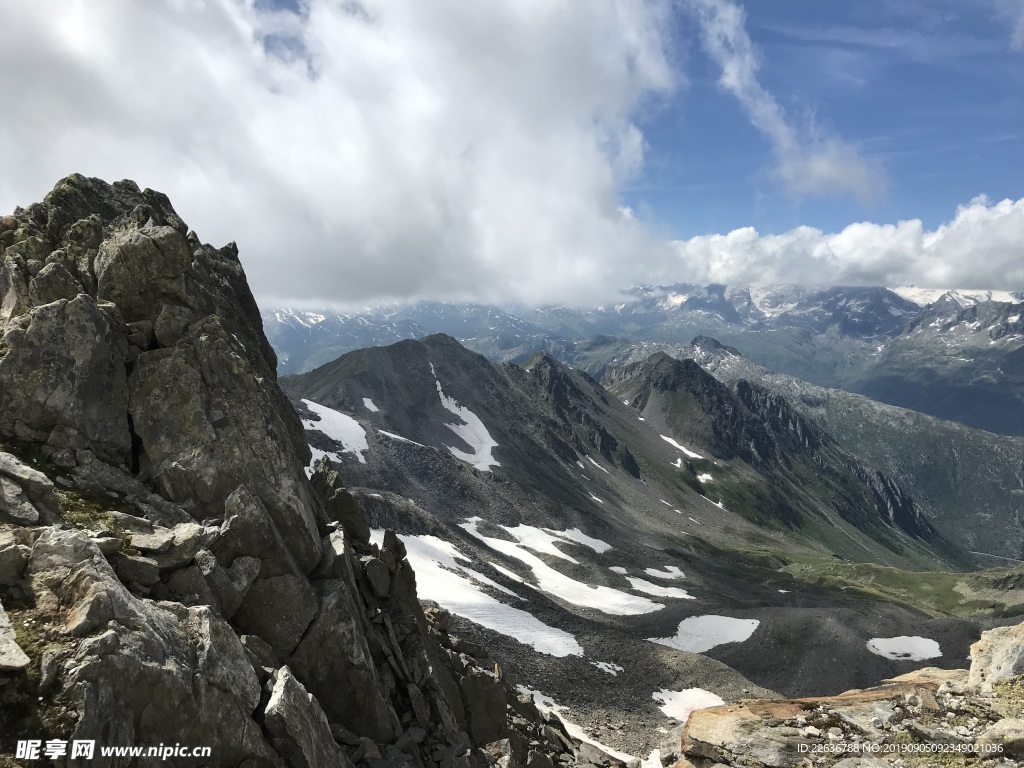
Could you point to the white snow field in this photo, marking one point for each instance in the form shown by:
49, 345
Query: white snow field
340, 427
702, 633
905, 648
441, 578
679, 704
472, 431
670, 572
605, 599
648, 588
369, 405
682, 448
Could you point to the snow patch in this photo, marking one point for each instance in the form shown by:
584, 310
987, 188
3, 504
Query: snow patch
607, 666
596, 499
575, 534
670, 572
905, 648
702, 633
705, 478
641, 585
340, 427
472, 432
605, 599
369, 405
679, 704
682, 448
618, 569
538, 540
441, 578
598, 466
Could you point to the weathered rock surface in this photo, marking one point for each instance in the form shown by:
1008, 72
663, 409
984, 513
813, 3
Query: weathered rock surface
997, 655
298, 727
63, 382
12, 658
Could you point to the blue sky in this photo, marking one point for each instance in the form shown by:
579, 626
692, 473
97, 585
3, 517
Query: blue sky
540, 151
932, 91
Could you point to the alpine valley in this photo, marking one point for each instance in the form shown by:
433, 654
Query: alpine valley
706, 525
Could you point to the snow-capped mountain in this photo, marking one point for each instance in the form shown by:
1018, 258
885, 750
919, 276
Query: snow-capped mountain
875, 341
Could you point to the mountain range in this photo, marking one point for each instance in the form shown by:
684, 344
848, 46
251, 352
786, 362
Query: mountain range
957, 355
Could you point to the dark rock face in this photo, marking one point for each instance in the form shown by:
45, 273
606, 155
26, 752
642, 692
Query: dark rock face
167, 571
752, 423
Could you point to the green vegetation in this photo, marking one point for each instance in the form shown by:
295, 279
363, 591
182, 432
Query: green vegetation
91, 512
938, 593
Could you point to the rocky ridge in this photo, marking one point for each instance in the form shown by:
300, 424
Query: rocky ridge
168, 573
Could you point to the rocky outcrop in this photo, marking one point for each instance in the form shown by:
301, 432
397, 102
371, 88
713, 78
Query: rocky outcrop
168, 573
919, 718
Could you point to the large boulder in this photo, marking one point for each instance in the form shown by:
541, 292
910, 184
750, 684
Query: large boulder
208, 424
142, 270
62, 380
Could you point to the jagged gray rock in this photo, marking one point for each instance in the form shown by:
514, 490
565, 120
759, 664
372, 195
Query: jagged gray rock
298, 727
153, 668
12, 658
340, 627
77, 395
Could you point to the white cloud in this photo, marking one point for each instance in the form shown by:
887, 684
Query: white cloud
389, 149
983, 247
809, 162
1013, 12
